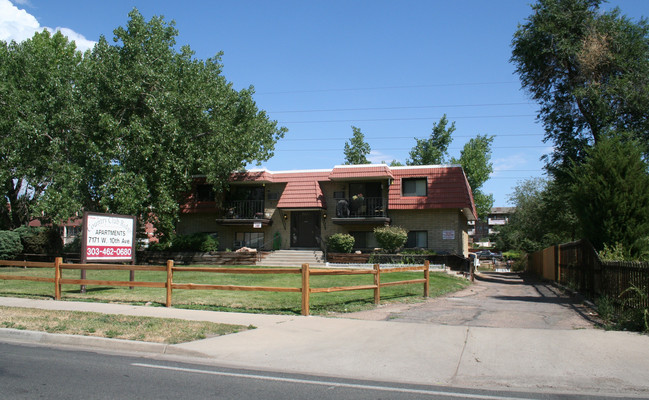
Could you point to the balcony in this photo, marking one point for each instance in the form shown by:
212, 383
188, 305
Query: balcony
244, 212
364, 210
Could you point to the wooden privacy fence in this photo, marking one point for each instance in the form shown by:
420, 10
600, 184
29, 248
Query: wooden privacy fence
578, 266
305, 287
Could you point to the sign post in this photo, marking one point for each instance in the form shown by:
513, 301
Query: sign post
107, 238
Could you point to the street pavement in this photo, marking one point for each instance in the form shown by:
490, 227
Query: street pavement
408, 345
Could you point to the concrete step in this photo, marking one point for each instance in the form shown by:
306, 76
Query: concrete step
293, 258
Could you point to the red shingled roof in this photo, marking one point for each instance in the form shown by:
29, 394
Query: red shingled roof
353, 172
302, 189
447, 186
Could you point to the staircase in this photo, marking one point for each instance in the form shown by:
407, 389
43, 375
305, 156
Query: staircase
294, 258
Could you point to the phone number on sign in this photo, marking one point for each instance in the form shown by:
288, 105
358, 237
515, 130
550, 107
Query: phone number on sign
106, 251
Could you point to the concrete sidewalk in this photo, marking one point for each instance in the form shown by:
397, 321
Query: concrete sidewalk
570, 361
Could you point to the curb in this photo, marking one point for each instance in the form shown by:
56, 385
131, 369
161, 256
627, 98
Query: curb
94, 343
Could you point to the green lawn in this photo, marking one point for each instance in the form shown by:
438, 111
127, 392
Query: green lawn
128, 327
241, 301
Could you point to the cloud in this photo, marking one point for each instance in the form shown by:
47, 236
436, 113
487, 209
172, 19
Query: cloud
376, 157
509, 163
18, 25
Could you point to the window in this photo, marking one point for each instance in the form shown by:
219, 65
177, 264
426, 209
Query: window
251, 193
367, 189
414, 187
339, 195
254, 240
417, 239
205, 193
364, 240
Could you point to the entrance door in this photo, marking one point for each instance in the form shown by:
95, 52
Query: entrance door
305, 228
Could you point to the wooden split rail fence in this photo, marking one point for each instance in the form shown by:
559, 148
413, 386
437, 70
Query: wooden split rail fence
170, 269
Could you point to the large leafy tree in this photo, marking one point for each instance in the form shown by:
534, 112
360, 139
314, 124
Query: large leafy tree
434, 149
356, 150
589, 72
611, 194
541, 217
39, 120
475, 159
146, 119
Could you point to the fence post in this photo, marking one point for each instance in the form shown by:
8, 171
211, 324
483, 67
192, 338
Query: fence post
57, 278
472, 270
306, 289
377, 282
427, 278
170, 273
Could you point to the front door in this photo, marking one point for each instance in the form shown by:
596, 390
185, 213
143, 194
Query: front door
305, 228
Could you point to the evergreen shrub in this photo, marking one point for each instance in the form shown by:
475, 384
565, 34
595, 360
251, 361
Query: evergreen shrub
340, 243
391, 238
10, 245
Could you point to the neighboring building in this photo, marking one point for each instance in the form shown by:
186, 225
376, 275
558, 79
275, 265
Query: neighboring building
69, 229
480, 231
300, 209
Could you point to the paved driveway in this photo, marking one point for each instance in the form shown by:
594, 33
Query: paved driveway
499, 300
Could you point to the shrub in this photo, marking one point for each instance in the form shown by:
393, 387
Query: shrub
74, 246
160, 246
195, 242
391, 238
10, 245
340, 243
40, 240
614, 252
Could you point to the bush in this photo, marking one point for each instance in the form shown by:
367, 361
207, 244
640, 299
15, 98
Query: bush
195, 242
74, 246
10, 245
40, 240
391, 238
340, 243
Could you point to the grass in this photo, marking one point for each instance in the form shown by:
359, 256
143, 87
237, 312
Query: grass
146, 329
240, 301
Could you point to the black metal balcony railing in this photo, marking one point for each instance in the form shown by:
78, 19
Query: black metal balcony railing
244, 209
366, 207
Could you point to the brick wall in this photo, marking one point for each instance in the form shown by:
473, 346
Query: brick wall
446, 228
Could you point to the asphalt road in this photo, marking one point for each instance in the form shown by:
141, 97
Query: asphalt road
29, 372
496, 300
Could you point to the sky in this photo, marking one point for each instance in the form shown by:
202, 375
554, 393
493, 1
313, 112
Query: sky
390, 68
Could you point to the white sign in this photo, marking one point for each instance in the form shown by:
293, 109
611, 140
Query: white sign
256, 225
109, 237
448, 235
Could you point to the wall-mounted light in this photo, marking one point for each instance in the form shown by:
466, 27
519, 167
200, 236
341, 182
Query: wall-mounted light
285, 216
324, 216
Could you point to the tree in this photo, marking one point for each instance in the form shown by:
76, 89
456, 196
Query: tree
541, 218
141, 119
475, 159
611, 194
434, 150
356, 150
39, 117
589, 71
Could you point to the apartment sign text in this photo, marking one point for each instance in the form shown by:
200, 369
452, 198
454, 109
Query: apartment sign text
108, 237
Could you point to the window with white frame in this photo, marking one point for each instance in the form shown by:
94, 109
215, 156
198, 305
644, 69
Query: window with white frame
364, 240
417, 239
413, 187
254, 240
